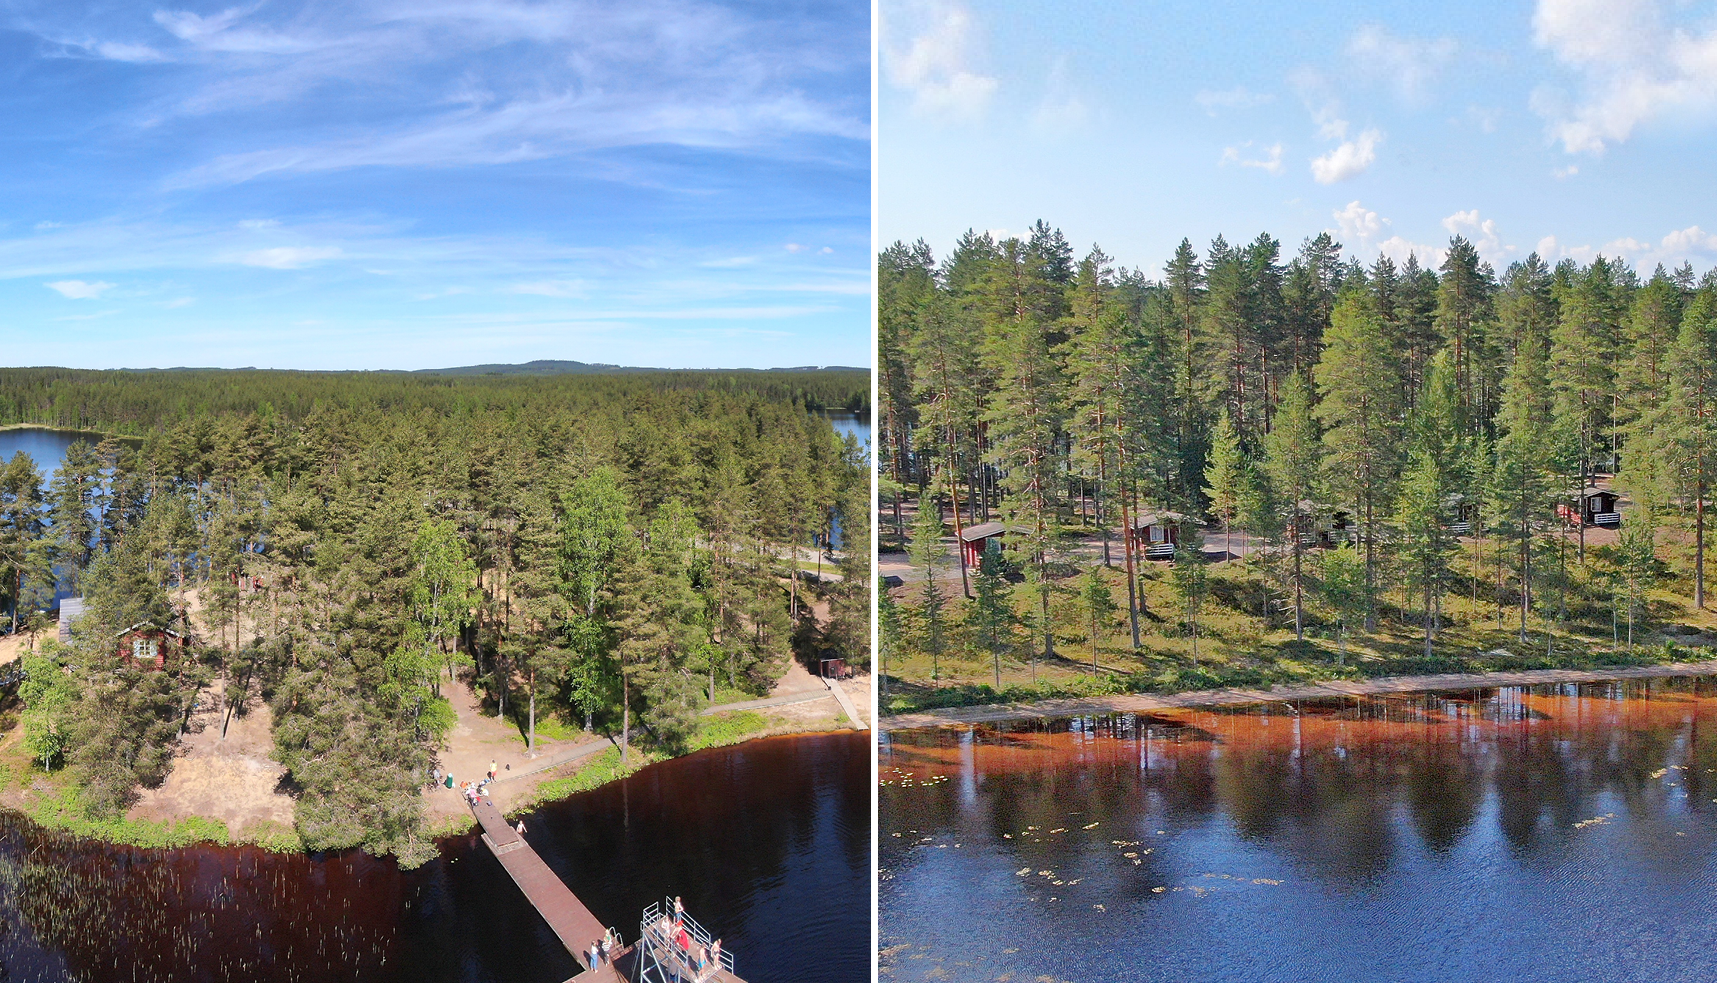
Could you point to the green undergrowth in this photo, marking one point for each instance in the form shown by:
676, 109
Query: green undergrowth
719, 730
62, 808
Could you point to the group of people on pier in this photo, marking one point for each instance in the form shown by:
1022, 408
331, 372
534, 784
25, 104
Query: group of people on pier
704, 961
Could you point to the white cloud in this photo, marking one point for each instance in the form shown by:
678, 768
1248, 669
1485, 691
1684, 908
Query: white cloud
827, 250
1632, 65
795, 247
553, 288
1409, 64
1560, 173
1350, 159
1270, 163
180, 302
1358, 223
1238, 97
1690, 239
288, 257
935, 61
1481, 232
79, 289
1398, 249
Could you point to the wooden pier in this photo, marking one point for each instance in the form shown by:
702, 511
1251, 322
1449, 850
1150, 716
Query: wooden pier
571, 921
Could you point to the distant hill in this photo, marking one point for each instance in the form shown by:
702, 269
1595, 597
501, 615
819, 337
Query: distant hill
547, 366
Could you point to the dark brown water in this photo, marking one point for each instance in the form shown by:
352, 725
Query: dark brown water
768, 842
1558, 833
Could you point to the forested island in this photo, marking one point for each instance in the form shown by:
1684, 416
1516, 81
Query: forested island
606, 553
1328, 468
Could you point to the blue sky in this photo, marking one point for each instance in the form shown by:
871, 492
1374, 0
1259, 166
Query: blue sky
414, 183
1566, 127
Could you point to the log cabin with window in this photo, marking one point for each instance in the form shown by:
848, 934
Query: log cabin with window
148, 645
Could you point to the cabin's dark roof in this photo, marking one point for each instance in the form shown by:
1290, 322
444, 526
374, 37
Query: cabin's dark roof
151, 626
983, 530
1154, 517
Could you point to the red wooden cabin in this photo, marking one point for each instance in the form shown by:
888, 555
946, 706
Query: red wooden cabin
974, 540
1156, 534
1597, 508
148, 644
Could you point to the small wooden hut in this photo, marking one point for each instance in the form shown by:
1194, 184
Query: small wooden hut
974, 540
148, 644
1597, 508
1157, 533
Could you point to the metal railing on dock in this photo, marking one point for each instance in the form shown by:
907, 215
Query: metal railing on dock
675, 948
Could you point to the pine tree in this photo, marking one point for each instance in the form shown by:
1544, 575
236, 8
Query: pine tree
1523, 454
1025, 414
1361, 409
1225, 479
1293, 458
1099, 604
926, 551
991, 612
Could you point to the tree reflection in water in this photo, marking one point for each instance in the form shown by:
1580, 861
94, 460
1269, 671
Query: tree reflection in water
1415, 836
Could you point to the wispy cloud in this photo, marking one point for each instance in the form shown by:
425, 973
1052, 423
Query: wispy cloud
1269, 163
1632, 64
79, 289
929, 49
288, 257
1409, 65
1239, 97
552, 288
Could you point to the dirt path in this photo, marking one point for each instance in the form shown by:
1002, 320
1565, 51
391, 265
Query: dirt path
1058, 709
478, 739
234, 780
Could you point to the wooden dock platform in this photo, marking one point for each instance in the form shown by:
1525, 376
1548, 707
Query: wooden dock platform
571, 921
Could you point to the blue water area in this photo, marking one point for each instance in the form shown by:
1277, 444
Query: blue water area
44, 446
845, 423
1551, 834
858, 426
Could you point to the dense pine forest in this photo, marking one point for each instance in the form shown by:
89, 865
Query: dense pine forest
1386, 459
606, 550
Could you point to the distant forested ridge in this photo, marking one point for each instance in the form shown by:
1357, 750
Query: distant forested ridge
607, 549
1410, 404
135, 401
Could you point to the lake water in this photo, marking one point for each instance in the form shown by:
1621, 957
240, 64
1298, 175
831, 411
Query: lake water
768, 842
46, 447
1544, 834
858, 426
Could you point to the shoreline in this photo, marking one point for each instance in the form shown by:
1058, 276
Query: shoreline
193, 831
1058, 709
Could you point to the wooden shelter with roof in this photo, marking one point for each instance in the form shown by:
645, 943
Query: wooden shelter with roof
974, 540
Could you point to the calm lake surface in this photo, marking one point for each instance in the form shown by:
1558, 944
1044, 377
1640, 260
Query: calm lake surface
46, 447
1550, 833
768, 842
